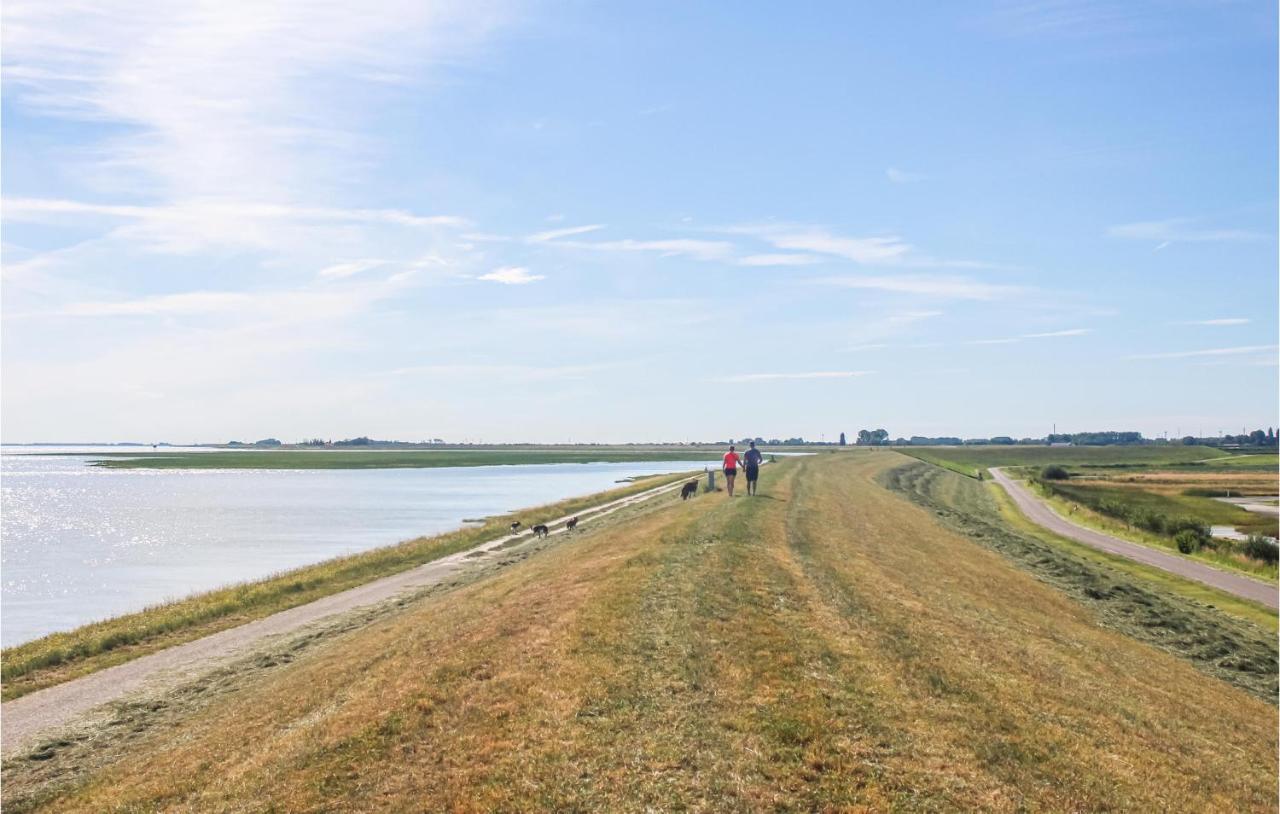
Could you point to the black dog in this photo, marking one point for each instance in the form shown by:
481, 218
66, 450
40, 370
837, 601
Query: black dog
515, 527
689, 490
571, 524
540, 530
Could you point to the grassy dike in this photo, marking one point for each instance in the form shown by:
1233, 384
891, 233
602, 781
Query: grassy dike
829, 645
61, 657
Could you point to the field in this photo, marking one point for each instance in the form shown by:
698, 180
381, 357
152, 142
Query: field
866, 635
1169, 498
62, 656
969, 460
396, 459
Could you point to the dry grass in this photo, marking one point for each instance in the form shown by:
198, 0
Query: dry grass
827, 646
61, 657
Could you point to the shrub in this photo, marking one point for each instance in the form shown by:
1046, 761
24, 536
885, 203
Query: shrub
1055, 472
1260, 548
1177, 524
1151, 521
1188, 541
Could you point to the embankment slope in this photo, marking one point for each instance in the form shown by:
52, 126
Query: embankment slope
827, 644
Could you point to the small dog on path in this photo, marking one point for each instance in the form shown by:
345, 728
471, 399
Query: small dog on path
540, 530
515, 527
689, 490
571, 523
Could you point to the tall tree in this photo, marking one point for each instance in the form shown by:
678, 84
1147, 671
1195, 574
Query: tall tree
841, 439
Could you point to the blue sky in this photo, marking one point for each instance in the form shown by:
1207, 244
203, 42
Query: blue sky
661, 221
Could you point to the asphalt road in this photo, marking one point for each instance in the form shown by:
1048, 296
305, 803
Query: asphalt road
1039, 512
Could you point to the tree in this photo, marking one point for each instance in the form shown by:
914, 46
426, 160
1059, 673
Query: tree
1258, 437
879, 436
842, 439
864, 437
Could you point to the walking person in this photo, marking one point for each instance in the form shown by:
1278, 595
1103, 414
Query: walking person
752, 460
731, 461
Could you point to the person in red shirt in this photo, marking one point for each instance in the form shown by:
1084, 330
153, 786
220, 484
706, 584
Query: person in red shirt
731, 462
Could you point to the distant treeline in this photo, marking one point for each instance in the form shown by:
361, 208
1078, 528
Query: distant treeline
1257, 439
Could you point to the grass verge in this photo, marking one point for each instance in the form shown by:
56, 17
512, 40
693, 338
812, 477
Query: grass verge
61, 657
1239, 653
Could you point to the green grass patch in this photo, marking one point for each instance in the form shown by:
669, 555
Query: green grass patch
1241, 653
64, 656
969, 460
391, 458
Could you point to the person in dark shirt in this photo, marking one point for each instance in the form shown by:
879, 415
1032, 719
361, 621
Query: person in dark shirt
752, 467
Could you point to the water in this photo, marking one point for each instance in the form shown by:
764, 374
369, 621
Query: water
83, 543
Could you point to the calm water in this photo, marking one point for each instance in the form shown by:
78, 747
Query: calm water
81, 543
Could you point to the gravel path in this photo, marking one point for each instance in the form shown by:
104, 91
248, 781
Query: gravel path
28, 720
1042, 514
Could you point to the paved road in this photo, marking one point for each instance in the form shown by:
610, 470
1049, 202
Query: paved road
1041, 513
34, 717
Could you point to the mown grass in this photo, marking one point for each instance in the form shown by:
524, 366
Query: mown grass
389, 458
827, 646
63, 656
1197, 592
1238, 653
971, 460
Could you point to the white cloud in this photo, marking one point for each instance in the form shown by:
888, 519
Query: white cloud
511, 275
898, 176
506, 373
1068, 332
779, 260
956, 288
218, 95
822, 374
1210, 352
552, 234
813, 239
1180, 230
1006, 341
700, 249
189, 226
341, 270
1226, 321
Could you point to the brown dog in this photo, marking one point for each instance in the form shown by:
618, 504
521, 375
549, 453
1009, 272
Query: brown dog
571, 523
689, 490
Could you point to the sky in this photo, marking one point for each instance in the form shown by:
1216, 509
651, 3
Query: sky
494, 221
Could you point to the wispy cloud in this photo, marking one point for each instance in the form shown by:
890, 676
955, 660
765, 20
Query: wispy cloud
1188, 354
189, 226
217, 94
553, 234
1050, 334
938, 287
700, 249
1180, 230
796, 237
779, 260
512, 275
898, 176
1224, 321
507, 373
822, 374
341, 270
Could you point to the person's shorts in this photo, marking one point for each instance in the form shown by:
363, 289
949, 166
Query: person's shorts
729, 472
753, 472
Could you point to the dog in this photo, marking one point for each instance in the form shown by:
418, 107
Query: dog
515, 527
689, 490
540, 530
571, 524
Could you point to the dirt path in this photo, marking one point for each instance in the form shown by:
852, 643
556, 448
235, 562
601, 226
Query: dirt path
1042, 514
31, 718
